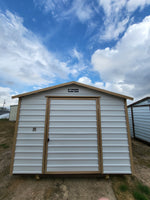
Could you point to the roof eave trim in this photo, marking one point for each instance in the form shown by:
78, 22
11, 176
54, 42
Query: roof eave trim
73, 82
139, 101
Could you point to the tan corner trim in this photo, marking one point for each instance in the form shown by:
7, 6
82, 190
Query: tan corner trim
46, 135
129, 137
99, 136
15, 137
75, 83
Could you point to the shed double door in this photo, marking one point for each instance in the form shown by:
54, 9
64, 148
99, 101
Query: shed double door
72, 136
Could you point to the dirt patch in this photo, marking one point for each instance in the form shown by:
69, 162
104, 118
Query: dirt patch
28, 188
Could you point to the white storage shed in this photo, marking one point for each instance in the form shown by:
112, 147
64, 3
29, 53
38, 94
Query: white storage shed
13, 113
139, 119
72, 128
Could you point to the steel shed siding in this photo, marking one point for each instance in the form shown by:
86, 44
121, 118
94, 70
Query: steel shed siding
141, 119
113, 127
142, 122
130, 122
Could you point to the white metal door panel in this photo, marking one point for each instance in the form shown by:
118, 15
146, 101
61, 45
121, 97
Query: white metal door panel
72, 134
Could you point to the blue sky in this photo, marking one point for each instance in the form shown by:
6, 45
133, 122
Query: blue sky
104, 43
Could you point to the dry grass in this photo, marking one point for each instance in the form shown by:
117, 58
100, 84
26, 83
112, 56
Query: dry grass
6, 140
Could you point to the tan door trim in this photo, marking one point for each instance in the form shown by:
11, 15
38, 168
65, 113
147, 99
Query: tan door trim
46, 135
99, 136
44, 162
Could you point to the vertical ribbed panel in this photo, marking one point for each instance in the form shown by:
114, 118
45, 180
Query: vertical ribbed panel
142, 122
72, 143
130, 121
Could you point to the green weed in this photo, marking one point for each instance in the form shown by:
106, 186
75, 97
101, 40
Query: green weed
144, 189
123, 188
139, 196
5, 146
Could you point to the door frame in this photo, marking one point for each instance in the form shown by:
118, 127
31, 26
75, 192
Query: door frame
99, 136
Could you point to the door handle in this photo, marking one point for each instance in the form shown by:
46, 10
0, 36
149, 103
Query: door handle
48, 140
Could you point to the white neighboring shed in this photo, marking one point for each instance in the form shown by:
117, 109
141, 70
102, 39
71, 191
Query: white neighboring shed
13, 113
139, 119
72, 128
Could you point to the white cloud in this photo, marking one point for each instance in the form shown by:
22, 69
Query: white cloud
77, 54
110, 6
23, 57
67, 9
85, 80
51, 5
5, 96
118, 16
127, 65
113, 29
79, 63
115, 22
82, 10
88, 81
132, 5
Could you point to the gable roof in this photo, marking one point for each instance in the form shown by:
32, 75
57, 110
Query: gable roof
71, 83
139, 101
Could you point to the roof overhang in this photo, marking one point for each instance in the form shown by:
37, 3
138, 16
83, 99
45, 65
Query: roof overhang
71, 83
139, 101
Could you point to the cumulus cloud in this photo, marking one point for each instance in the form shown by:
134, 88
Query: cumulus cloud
23, 57
127, 65
85, 80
